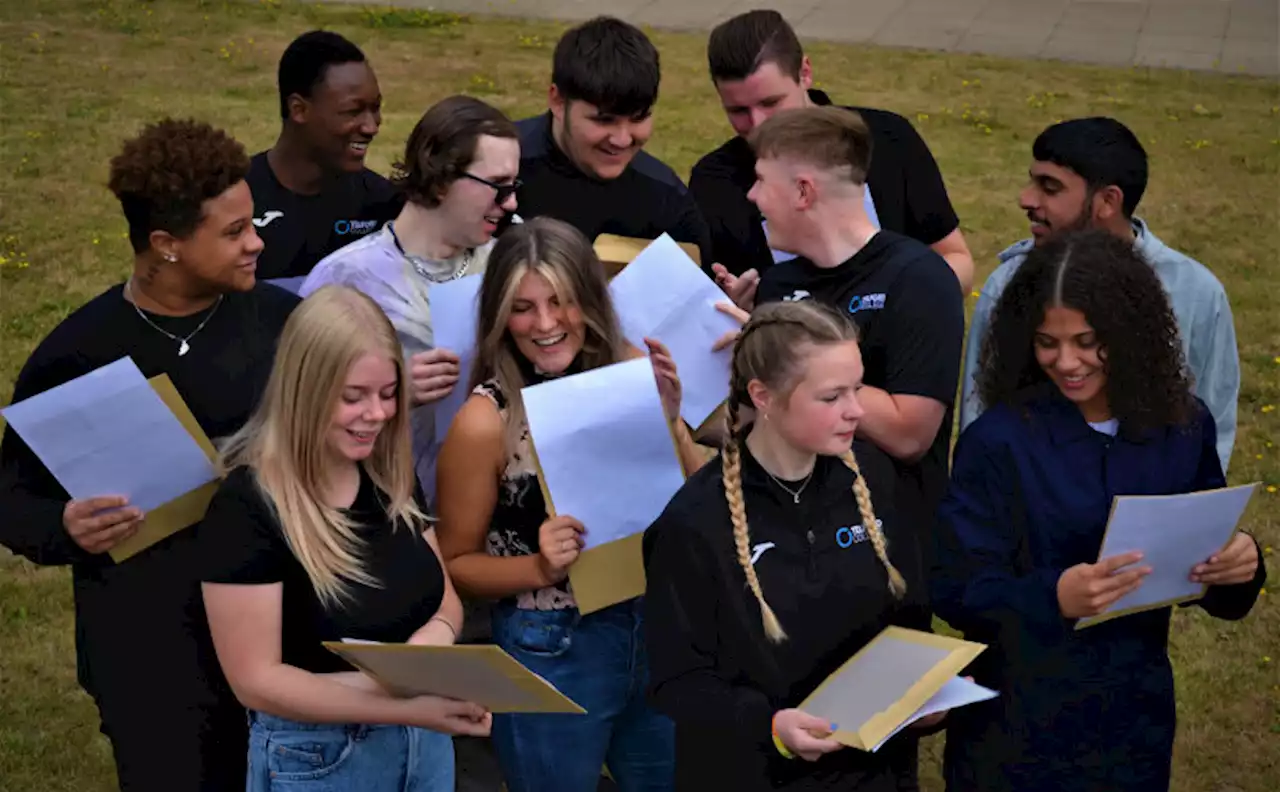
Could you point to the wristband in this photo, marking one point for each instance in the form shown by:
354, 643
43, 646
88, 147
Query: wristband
777, 741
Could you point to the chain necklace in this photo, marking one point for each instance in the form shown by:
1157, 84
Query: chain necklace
183, 346
420, 264
794, 493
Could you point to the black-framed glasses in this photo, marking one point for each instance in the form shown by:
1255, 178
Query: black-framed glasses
501, 191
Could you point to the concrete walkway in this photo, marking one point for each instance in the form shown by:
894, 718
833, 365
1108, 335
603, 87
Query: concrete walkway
1230, 36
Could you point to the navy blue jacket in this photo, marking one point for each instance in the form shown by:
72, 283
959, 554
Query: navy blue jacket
1030, 494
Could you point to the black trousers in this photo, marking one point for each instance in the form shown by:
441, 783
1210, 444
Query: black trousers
160, 746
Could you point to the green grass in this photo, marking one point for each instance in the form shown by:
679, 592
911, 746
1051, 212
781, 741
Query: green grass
79, 76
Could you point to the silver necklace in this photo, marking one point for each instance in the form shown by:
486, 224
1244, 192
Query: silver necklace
183, 346
419, 263
795, 494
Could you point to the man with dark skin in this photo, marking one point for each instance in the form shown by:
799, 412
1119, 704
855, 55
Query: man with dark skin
312, 192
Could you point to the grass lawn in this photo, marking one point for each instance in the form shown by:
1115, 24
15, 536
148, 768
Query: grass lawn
81, 75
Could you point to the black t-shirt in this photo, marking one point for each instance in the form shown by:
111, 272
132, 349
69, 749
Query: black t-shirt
646, 201
910, 316
906, 186
299, 230
152, 600
243, 543
713, 670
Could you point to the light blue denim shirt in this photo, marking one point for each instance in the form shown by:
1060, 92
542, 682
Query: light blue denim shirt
1204, 322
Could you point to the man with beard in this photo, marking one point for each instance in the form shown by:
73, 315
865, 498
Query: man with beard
312, 193
582, 161
1091, 173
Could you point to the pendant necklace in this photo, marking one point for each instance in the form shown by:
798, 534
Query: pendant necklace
183, 346
794, 493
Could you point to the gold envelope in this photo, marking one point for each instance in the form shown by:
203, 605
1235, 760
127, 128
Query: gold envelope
616, 252
184, 510
868, 734
481, 673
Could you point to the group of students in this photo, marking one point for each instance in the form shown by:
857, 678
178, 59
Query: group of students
1100, 363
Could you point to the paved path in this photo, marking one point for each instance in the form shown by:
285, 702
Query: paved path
1223, 35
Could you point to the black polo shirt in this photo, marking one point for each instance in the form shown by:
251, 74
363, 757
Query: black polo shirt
906, 186
906, 302
646, 201
299, 230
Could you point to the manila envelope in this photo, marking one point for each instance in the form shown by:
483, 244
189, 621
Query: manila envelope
616, 252
481, 673
945, 659
184, 510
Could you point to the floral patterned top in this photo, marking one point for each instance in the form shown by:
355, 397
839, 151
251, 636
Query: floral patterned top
520, 512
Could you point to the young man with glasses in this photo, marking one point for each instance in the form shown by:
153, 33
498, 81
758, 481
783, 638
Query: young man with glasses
582, 161
312, 193
458, 176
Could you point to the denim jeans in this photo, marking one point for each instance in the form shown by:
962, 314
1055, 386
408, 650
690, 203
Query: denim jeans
597, 660
287, 756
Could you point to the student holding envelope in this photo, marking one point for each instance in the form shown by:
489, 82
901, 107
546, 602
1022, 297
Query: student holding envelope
318, 534
545, 312
774, 565
1088, 398
191, 309
459, 178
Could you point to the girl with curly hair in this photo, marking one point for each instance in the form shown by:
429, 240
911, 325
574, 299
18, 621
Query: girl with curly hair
1088, 399
191, 309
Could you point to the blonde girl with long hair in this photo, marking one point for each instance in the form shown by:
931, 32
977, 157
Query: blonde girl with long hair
317, 534
544, 312
773, 565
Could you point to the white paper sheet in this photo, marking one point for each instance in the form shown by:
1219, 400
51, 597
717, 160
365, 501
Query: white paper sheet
604, 447
454, 308
956, 693
109, 433
1174, 534
663, 294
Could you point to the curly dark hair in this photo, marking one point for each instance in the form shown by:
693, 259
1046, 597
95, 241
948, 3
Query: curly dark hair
443, 145
1107, 280
165, 174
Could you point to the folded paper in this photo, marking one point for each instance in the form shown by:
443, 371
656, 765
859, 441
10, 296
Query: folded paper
606, 456
454, 312
480, 673
1174, 533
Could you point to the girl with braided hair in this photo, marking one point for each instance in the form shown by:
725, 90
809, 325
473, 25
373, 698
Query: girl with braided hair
1088, 399
773, 565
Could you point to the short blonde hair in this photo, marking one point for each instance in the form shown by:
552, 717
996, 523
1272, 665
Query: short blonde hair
831, 138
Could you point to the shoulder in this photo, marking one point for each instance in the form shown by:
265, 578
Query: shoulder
720, 164
259, 168
239, 497
61, 356
267, 305
351, 264
1000, 425
696, 512
1177, 268
919, 268
886, 124
479, 422
1010, 259
649, 167
533, 133
1015, 253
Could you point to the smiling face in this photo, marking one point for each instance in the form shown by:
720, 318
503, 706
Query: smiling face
821, 412
1056, 199
470, 207
748, 102
341, 117
548, 331
775, 194
221, 254
1068, 351
367, 402
600, 144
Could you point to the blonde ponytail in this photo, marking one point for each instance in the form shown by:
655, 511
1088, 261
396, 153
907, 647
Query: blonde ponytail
731, 468
863, 495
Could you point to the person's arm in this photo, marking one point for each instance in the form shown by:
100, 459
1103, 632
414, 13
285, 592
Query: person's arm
468, 472
1215, 365
444, 627
246, 624
903, 416
930, 216
978, 581
955, 251
681, 639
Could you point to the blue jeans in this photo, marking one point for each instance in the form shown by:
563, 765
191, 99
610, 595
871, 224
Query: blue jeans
598, 660
287, 756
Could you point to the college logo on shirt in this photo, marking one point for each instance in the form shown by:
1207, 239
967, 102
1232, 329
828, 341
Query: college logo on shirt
866, 302
356, 227
267, 217
797, 295
850, 535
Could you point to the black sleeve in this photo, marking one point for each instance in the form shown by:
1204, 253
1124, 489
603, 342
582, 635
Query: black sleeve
929, 214
681, 638
240, 539
719, 200
687, 225
926, 331
31, 499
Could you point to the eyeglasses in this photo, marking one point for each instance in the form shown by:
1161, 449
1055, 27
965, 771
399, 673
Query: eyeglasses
501, 191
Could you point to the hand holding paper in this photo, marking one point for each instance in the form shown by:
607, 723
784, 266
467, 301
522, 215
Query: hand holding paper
559, 543
805, 735
99, 524
1089, 589
432, 375
1237, 563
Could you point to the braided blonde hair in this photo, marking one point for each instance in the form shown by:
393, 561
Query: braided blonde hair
766, 350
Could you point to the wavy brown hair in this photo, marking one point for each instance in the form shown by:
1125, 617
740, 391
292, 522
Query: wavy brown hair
163, 176
443, 145
771, 349
1107, 280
